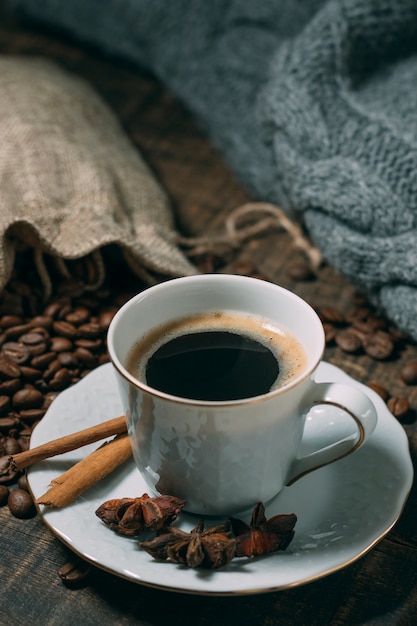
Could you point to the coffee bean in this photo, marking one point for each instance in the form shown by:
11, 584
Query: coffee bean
105, 319
49, 398
37, 349
9, 387
60, 380
5, 404
65, 329
90, 331
30, 416
13, 332
17, 352
80, 315
7, 475
41, 385
43, 321
42, 361
11, 446
30, 373
362, 325
24, 444
12, 433
379, 346
23, 483
91, 344
65, 308
399, 406
32, 338
26, 432
27, 399
358, 313
86, 357
409, 373
8, 367
7, 423
44, 332
61, 344
68, 359
53, 367
348, 341
332, 315
381, 391
74, 572
7, 321
21, 504
24, 438
52, 310
4, 494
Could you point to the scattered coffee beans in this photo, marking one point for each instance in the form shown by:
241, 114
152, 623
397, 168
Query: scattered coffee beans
409, 373
381, 391
45, 348
74, 572
21, 504
361, 330
331, 315
378, 345
23, 483
399, 407
348, 341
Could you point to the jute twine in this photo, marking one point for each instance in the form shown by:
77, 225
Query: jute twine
246, 222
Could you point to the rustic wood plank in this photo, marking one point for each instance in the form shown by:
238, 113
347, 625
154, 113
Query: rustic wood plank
380, 588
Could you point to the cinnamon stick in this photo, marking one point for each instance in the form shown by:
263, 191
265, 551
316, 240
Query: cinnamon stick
73, 441
87, 472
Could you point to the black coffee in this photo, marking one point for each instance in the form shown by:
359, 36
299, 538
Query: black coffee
217, 356
212, 365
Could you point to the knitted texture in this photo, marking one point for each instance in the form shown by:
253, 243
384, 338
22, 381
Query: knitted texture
314, 104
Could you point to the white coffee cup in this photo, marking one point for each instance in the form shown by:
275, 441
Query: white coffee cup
223, 457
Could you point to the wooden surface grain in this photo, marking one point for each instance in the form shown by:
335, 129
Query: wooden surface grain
378, 589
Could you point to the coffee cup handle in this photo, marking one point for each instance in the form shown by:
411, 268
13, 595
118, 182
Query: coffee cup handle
357, 405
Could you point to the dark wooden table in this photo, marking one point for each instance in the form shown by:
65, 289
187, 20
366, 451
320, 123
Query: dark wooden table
378, 589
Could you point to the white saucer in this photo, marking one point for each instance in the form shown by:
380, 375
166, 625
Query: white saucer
343, 509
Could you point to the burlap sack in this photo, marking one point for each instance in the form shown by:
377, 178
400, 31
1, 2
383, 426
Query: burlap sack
71, 182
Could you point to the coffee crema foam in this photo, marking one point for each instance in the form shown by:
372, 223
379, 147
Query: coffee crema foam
284, 346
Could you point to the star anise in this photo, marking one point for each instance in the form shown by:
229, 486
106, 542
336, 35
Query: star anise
262, 536
211, 548
131, 516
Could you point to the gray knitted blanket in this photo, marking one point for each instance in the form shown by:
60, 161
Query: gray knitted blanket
312, 102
